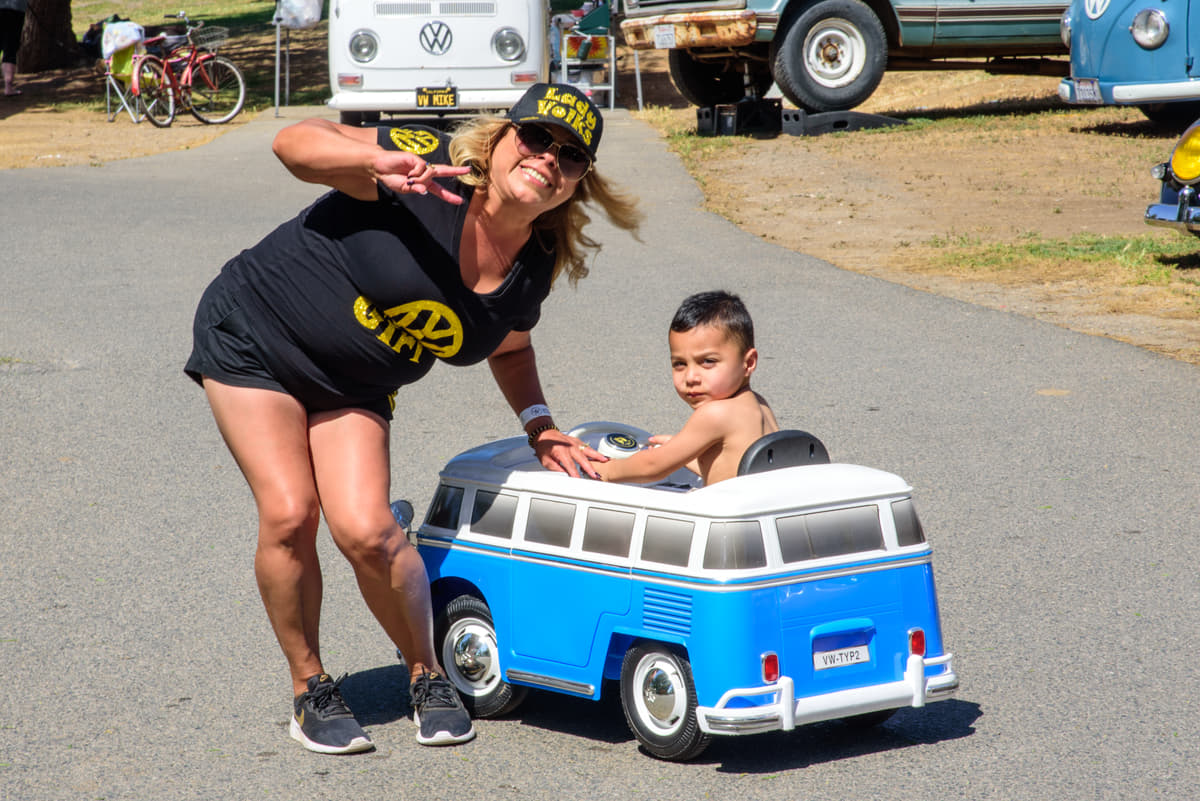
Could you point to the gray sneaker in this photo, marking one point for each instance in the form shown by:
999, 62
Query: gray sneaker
323, 722
438, 711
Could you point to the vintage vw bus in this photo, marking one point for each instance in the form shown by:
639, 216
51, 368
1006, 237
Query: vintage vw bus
1133, 52
797, 594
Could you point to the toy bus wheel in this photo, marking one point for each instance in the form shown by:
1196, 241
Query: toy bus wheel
659, 699
466, 641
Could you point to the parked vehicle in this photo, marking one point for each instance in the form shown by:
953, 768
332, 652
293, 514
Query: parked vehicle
435, 57
1133, 52
764, 602
829, 55
1178, 206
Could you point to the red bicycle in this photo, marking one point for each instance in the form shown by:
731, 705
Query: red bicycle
210, 86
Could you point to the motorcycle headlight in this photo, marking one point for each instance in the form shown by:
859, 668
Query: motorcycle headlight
508, 44
1150, 28
1185, 159
1064, 27
364, 45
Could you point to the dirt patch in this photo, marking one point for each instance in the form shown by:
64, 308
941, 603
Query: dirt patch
1007, 163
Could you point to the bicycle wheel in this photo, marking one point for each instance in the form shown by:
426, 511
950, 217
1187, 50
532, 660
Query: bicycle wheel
218, 90
155, 98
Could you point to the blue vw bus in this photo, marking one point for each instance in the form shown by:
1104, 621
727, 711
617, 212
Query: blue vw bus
1133, 52
797, 592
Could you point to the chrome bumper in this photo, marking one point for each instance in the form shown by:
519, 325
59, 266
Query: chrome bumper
1182, 214
787, 712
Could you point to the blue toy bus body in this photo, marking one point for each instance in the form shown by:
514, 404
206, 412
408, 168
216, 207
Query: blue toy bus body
760, 603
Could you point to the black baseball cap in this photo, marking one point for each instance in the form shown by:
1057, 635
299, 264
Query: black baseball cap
564, 106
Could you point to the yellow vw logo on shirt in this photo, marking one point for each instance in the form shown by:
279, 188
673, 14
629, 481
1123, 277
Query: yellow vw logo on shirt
412, 140
413, 327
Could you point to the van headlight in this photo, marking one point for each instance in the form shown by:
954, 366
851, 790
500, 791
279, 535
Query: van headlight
1064, 27
364, 45
1150, 28
508, 44
1185, 158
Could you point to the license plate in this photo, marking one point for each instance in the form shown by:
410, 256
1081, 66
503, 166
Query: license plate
664, 37
437, 97
824, 660
1087, 90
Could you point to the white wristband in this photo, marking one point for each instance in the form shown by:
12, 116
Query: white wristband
533, 412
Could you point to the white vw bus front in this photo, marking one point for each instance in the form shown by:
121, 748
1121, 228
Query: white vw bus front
434, 56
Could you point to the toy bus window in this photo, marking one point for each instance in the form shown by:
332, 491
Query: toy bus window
908, 526
446, 504
608, 532
493, 514
732, 546
834, 533
793, 539
667, 541
550, 522
844, 531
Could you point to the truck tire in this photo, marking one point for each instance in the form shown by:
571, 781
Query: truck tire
830, 57
710, 83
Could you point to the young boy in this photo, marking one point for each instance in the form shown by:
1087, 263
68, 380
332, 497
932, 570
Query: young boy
712, 358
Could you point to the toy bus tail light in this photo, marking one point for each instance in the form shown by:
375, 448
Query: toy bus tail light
916, 642
770, 667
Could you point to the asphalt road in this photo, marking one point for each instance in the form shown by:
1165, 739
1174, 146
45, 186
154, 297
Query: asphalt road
1056, 475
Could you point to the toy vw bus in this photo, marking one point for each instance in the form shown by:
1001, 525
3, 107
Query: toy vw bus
1133, 52
801, 591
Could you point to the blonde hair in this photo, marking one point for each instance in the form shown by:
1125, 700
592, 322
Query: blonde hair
562, 227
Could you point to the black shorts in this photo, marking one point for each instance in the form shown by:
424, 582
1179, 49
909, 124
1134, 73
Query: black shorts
11, 22
224, 349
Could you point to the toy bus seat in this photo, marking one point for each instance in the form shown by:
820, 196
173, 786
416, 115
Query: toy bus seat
786, 448
120, 43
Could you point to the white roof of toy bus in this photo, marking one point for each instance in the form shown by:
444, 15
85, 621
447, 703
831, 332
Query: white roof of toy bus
510, 464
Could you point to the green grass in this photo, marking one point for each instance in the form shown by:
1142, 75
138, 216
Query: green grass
1146, 260
251, 45
239, 16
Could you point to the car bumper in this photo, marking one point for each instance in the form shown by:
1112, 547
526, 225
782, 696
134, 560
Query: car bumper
468, 100
1183, 214
787, 712
1084, 91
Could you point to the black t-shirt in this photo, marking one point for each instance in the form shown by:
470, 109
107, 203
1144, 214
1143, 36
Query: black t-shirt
352, 299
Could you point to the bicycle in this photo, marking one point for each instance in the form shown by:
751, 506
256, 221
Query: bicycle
210, 86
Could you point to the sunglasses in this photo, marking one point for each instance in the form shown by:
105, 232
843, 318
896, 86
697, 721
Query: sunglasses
534, 140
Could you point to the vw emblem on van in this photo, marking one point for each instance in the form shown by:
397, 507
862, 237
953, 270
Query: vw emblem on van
1094, 8
436, 38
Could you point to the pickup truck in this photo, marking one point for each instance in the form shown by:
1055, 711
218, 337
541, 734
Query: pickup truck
829, 55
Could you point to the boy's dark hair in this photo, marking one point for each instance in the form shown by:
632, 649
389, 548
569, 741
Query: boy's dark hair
720, 309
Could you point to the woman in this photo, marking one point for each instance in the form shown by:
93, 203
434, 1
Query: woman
303, 340
12, 21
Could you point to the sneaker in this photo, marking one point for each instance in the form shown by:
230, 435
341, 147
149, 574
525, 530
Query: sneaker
438, 711
324, 723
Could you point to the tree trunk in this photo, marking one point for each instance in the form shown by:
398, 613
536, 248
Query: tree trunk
47, 41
